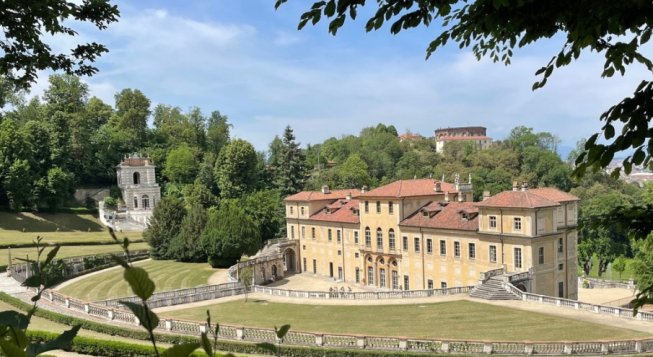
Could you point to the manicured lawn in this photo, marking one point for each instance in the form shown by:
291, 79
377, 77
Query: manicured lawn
453, 319
21, 228
68, 251
609, 273
167, 275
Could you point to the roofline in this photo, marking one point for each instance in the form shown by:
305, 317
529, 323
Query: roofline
438, 228
479, 204
434, 193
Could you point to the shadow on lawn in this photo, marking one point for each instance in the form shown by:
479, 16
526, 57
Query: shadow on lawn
48, 222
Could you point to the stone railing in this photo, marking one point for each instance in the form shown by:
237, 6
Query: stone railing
232, 274
75, 266
393, 344
490, 273
181, 296
366, 295
607, 284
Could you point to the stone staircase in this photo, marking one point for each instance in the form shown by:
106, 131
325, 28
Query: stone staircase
492, 289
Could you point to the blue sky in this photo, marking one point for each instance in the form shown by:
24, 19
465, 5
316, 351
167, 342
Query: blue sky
250, 62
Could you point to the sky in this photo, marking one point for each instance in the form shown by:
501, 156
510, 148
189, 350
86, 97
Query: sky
249, 61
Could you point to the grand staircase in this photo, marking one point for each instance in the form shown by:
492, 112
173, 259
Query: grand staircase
493, 289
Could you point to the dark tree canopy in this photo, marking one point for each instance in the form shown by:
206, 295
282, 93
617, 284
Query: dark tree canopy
26, 23
494, 28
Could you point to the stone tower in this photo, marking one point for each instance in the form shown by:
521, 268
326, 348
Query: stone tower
136, 180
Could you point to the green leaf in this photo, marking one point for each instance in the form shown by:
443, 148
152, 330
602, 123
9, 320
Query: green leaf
146, 317
14, 319
17, 337
10, 349
608, 131
51, 255
119, 260
283, 330
267, 346
206, 344
330, 8
182, 350
62, 341
638, 157
139, 281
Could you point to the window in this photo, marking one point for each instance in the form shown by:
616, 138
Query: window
561, 266
493, 222
301, 211
292, 233
472, 251
135, 202
560, 245
517, 257
370, 276
382, 278
443, 285
561, 289
314, 266
443, 247
355, 237
358, 275
540, 255
395, 280
456, 249
356, 255
338, 235
368, 237
291, 210
378, 206
303, 232
339, 252
406, 282
146, 201
391, 239
493, 254
517, 224
137, 178
390, 208
429, 284
304, 264
304, 247
313, 233
429, 246
329, 234
379, 239
405, 243
416, 245
367, 207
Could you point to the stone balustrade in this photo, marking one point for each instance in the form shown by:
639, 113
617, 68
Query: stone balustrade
181, 296
365, 295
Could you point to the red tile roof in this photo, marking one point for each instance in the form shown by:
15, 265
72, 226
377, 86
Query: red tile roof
518, 199
444, 216
319, 196
462, 137
409, 188
341, 211
554, 194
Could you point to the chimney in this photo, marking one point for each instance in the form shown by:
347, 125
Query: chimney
446, 196
348, 197
438, 186
325, 189
486, 195
524, 186
364, 189
515, 186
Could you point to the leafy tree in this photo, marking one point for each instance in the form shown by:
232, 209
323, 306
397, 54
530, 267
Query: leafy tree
267, 210
236, 169
290, 171
217, 132
60, 187
198, 194
619, 265
132, 111
164, 225
353, 173
66, 93
25, 25
181, 165
186, 246
230, 232
18, 185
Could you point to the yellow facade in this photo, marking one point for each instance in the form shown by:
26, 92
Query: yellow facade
382, 251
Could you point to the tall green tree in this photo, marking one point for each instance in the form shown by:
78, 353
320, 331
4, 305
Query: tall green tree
132, 111
186, 246
17, 184
290, 172
217, 132
353, 173
230, 232
236, 169
267, 210
181, 165
164, 225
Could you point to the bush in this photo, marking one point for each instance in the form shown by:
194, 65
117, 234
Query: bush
217, 262
97, 347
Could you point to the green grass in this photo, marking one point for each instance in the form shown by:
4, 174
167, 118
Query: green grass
453, 320
68, 251
609, 273
167, 275
23, 227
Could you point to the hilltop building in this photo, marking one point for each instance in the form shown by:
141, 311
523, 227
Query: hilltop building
474, 134
137, 182
425, 234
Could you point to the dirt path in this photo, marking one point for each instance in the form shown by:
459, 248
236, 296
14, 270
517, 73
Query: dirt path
219, 277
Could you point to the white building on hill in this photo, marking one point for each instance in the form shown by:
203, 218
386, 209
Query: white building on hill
140, 192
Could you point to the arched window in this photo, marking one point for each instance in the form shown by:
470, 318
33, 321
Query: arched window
368, 237
135, 202
146, 201
137, 178
379, 239
391, 239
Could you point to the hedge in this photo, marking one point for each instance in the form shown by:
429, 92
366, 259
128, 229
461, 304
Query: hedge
223, 345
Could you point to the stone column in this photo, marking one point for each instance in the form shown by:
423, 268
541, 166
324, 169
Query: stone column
319, 340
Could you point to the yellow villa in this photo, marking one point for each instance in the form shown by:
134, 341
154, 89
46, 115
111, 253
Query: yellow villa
426, 234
